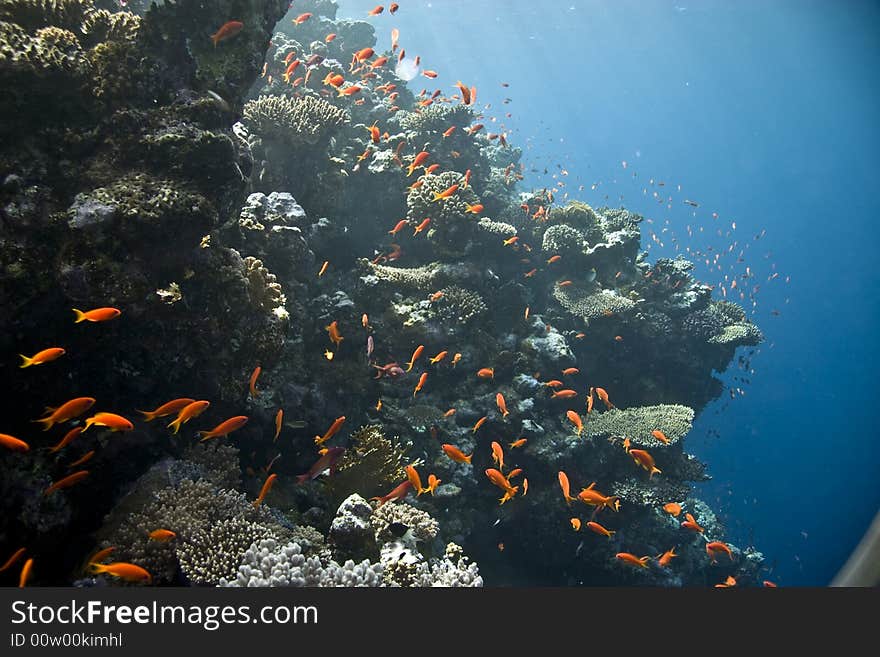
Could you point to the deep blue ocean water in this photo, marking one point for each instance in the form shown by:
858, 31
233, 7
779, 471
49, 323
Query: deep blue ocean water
765, 112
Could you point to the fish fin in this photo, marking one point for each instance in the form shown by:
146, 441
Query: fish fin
80, 316
468, 458
47, 423
149, 416
25, 361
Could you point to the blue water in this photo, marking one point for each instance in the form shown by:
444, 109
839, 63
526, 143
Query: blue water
764, 111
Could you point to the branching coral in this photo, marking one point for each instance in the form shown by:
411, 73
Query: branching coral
413, 278
370, 465
422, 525
451, 226
579, 301
267, 563
460, 305
724, 323
637, 423
296, 121
436, 118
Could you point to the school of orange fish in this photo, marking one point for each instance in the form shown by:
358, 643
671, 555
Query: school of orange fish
186, 409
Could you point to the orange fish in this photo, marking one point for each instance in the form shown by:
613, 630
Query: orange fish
672, 508
644, 460
168, 408
398, 493
252, 382
465, 93
500, 480
66, 482
486, 373
333, 331
769, 585
665, 558
502, 405
433, 482
730, 582
498, 455
566, 488
302, 18
68, 438
393, 7
364, 54
422, 226
449, 413
226, 31
575, 419
633, 560
525, 487
85, 458
419, 159
576, 524
456, 454
593, 497
330, 37
96, 315
563, 394
618, 338
599, 529
124, 571
414, 479
467, 179
379, 405
395, 35
349, 91
436, 296
563, 283
446, 193
714, 548
514, 473
474, 128
476, 208
590, 400
479, 423
415, 356
110, 421
267, 486
421, 383
555, 383
25, 573
100, 555
448, 132
570, 370
336, 426
375, 11
553, 259
436, 359
659, 435
13, 443
626, 445
604, 397
67, 411
455, 359
224, 428
323, 268
334, 80
691, 524
429, 74
374, 133
398, 227
189, 412
580, 336
518, 443
11, 561
279, 416
41, 357
290, 69
530, 273
162, 535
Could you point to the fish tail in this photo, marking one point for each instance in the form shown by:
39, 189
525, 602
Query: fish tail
467, 459
80, 316
25, 361
176, 425
437, 197
149, 416
47, 423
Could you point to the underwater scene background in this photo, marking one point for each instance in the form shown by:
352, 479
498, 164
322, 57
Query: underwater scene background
455, 293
